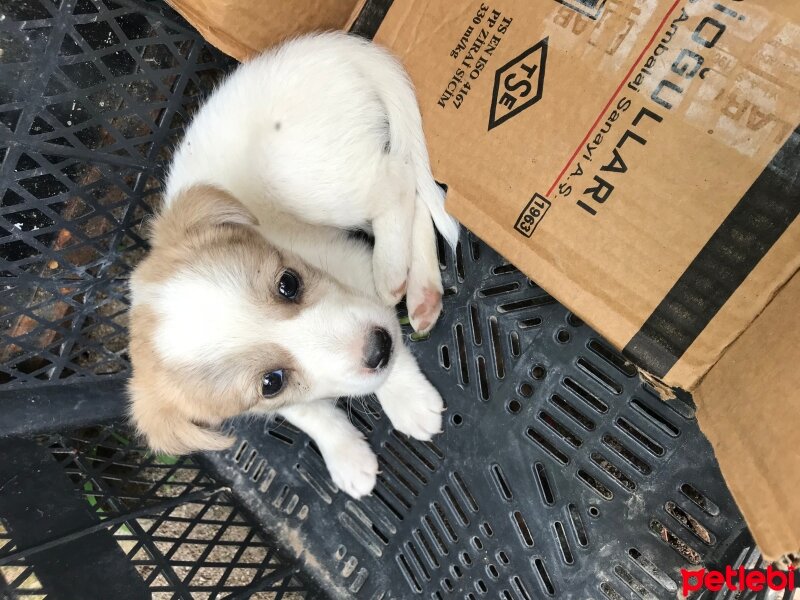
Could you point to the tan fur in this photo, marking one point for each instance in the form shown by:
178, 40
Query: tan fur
175, 409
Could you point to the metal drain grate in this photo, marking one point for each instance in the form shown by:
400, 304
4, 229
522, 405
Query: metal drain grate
559, 474
92, 96
200, 546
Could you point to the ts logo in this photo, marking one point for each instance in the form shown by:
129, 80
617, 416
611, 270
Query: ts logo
518, 84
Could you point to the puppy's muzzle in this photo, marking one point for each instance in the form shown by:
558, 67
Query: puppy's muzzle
377, 349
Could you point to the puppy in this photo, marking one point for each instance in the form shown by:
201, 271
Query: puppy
254, 297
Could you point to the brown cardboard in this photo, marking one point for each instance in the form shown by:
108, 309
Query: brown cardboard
685, 264
242, 28
612, 268
752, 421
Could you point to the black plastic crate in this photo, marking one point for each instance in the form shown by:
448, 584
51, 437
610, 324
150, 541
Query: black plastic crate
559, 474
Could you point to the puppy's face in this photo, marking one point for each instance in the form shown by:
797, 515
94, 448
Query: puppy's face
223, 323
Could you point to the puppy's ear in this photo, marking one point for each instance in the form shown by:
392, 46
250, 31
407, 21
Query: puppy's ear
197, 207
166, 428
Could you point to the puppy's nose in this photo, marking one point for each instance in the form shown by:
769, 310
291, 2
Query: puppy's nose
378, 349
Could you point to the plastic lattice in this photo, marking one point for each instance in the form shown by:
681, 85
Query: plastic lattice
92, 97
559, 473
203, 549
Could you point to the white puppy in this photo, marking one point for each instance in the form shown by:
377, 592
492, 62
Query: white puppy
254, 297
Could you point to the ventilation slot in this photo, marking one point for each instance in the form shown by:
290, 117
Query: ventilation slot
690, 523
502, 483
444, 357
406, 463
250, 460
239, 452
459, 262
614, 471
545, 445
652, 570
544, 578
395, 493
521, 589
389, 471
280, 437
385, 501
655, 418
427, 549
645, 441
486, 529
543, 482
706, 505
413, 558
475, 322
408, 445
498, 289
526, 303
610, 592
559, 429
503, 269
454, 506
677, 405
435, 534
513, 337
674, 542
360, 420
497, 349
411, 579
594, 484
462, 353
599, 376
259, 470
467, 495
441, 250
528, 323
588, 397
444, 522
475, 249
626, 455
483, 380
572, 412
563, 542
636, 586
613, 358
577, 525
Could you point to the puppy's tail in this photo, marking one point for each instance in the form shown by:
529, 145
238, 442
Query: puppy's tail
406, 137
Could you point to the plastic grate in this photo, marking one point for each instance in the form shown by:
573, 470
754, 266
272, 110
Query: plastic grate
202, 549
559, 474
93, 95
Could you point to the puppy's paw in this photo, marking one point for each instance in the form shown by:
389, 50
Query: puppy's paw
418, 413
391, 280
424, 306
353, 467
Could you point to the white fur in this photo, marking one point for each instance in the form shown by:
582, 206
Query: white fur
298, 135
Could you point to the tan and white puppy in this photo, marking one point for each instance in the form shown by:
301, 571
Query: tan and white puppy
254, 298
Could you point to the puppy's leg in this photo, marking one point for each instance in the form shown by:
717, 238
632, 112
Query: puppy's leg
350, 461
409, 400
392, 225
424, 296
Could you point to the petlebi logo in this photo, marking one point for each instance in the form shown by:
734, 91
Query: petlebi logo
741, 579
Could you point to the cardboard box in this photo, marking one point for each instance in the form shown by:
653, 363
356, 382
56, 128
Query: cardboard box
641, 162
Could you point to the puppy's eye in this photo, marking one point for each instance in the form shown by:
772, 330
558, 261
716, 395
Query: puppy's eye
289, 285
272, 383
